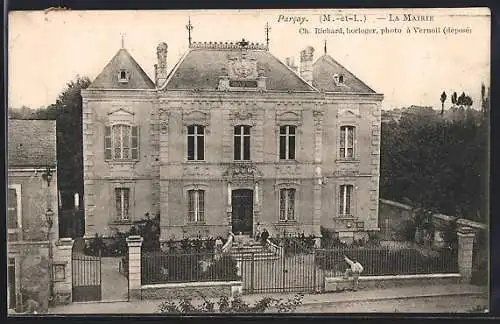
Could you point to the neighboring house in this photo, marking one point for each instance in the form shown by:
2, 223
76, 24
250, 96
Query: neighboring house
31, 153
230, 138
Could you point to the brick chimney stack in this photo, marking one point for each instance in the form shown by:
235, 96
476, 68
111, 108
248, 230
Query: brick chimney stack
306, 62
161, 66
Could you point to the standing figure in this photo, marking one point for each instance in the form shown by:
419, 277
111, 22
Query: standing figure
218, 245
354, 270
264, 236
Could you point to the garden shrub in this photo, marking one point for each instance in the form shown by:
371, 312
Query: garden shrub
233, 305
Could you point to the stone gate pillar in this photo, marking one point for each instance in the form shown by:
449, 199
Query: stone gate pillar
465, 248
134, 266
62, 271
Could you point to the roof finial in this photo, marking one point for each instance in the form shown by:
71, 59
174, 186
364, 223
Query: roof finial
268, 29
189, 28
123, 40
325, 46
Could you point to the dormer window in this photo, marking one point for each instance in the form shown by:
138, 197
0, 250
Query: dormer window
123, 76
338, 79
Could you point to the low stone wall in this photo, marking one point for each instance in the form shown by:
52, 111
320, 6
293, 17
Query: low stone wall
191, 290
340, 283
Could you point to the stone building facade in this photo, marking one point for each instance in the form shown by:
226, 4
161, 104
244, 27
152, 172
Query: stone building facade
229, 139
31, 162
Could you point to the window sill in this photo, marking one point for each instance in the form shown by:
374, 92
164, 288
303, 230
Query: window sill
195, 161
346, 217
347, 160
288, 161
287, 222
195, 223
122, 161
121, 222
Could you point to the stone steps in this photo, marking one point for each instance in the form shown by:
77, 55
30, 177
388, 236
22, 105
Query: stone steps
245, 246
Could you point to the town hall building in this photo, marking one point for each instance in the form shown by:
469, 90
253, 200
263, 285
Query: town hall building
230, 139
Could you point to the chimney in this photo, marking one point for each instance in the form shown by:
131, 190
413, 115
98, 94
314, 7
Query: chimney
291, 64
306, 60
161, 67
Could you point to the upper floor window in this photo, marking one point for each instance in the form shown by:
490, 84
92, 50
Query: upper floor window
347, 142
345, 199
287, 204
196, 143
196, 206
287, 142
121, 142
14, 212
123, 76
122, 197
242, 143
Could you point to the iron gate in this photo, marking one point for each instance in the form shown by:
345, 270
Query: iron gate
86, 271
287, 273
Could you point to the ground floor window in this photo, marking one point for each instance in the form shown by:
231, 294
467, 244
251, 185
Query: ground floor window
11, 283
345, 199
287, 204
196, 205
122, 197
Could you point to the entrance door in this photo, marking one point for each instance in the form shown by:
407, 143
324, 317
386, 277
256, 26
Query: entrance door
242, 216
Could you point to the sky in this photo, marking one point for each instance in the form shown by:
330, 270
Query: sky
48, 49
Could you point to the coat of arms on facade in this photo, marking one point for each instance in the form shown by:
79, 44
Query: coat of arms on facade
242, 68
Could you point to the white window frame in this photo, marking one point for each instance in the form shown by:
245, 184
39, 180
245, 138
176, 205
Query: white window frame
287, 204
287, 137
196, 202
241, 138
343, 198
346, 145
122, 190
195, 136
17, 188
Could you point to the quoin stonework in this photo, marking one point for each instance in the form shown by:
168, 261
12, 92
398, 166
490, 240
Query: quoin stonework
231, 139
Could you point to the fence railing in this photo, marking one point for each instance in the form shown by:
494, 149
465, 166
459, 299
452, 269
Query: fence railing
385, 261
160, 267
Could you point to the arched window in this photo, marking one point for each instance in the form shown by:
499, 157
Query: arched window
121, 142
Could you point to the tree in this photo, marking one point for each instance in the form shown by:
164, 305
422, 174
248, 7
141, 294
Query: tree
454, 98
438, 164
67, 111
443, 99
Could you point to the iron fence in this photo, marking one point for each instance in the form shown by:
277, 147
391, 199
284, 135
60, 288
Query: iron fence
160, 267
386, 261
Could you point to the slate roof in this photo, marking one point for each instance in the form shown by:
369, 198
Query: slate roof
108, 78
31, 143
201, 68
326, 67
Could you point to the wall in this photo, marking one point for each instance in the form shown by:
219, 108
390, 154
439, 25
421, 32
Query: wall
383, 282
34, 203
32, 272
101, 176
393, 218
188, 290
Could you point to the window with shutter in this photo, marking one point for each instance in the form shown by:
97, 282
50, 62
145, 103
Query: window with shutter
121, 142
107, 143
14, 214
